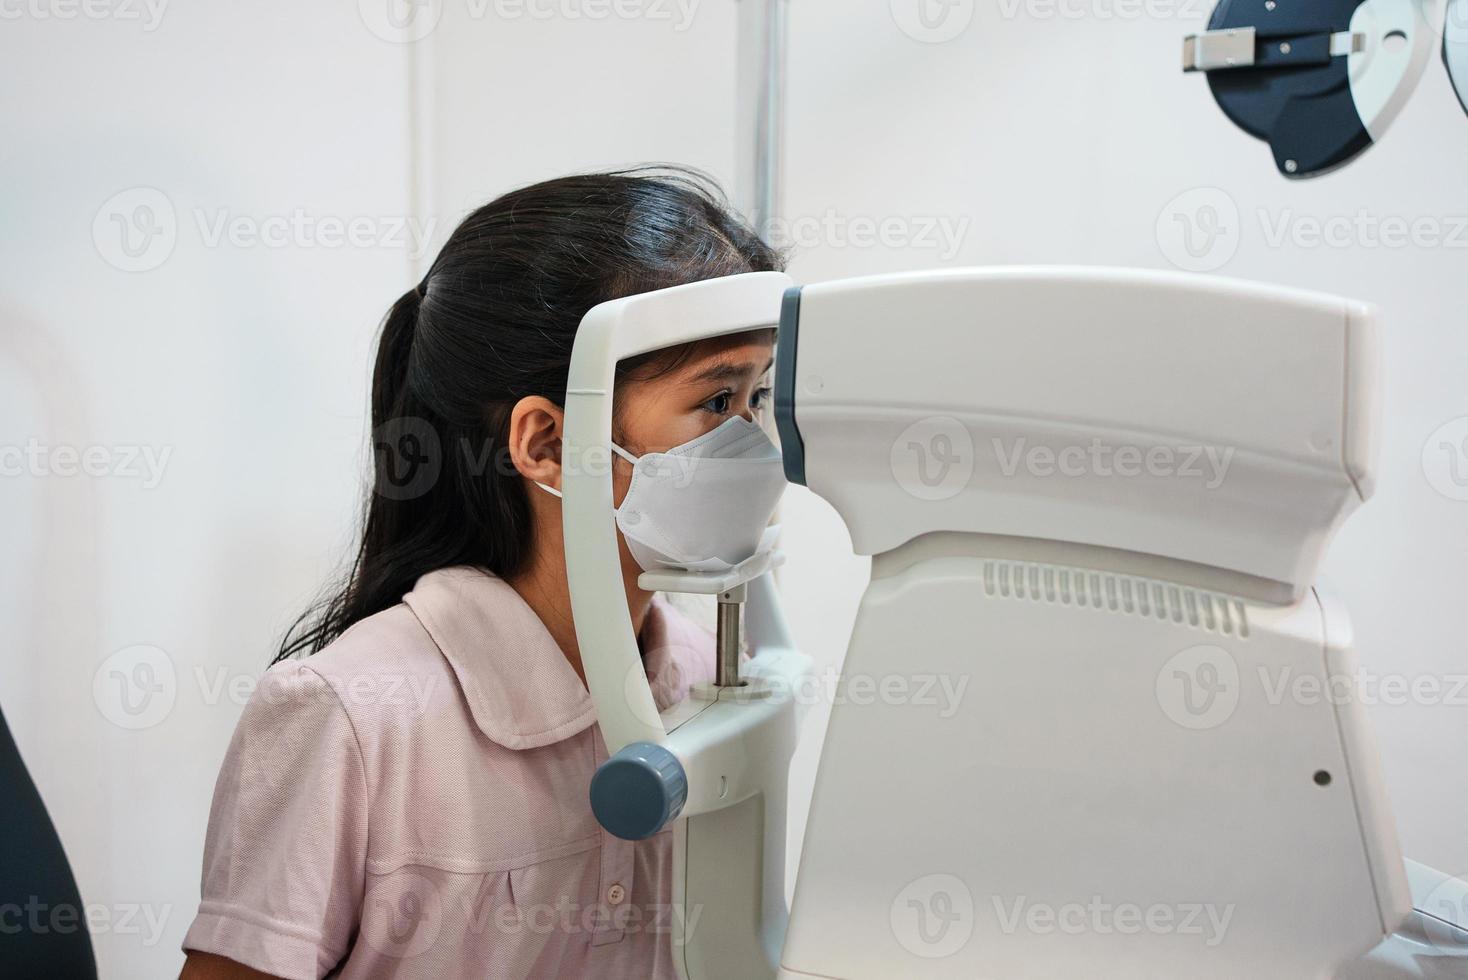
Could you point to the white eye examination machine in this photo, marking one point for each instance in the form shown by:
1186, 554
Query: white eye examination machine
1095, 502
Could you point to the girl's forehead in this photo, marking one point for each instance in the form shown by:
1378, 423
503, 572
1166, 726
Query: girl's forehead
754, 345
690, 363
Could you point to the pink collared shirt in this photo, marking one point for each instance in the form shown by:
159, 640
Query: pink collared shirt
412, 802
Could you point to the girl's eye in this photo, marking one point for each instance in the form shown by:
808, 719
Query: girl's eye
723, 402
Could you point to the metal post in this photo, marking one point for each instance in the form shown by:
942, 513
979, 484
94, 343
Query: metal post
726, 671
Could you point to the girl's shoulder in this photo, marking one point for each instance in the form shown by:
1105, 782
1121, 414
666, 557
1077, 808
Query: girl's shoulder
392, 667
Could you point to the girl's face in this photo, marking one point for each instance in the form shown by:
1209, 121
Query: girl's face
720, 379
717, 380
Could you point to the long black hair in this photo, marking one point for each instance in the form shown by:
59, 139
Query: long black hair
492, 322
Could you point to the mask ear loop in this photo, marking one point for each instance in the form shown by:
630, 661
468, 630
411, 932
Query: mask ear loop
615, 448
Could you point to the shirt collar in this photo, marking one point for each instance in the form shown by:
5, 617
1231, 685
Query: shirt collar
521, 690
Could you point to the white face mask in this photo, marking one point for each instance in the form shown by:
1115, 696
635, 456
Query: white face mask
705, 505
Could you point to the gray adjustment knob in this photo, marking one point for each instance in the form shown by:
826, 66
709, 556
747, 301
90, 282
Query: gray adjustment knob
637, 791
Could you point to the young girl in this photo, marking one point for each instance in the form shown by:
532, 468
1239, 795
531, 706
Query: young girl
409, 799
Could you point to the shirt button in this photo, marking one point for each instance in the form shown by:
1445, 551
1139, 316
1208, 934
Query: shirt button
616, 895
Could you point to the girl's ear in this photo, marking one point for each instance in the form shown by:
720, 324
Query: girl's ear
535, 439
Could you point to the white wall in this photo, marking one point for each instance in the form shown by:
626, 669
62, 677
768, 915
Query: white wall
244, 363
515, 99
1047, 137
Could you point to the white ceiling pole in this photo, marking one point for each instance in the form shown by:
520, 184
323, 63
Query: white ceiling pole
760, 112
422, 147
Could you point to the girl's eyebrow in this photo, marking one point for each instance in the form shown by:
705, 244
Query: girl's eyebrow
729, 371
